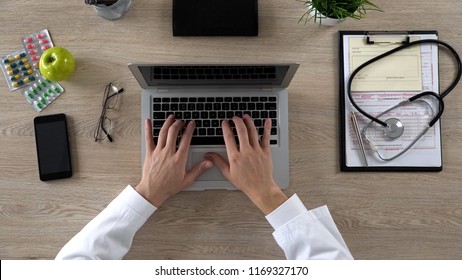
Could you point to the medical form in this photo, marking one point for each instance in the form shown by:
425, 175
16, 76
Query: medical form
381, 86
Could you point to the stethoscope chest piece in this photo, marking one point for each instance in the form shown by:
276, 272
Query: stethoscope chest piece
394, 128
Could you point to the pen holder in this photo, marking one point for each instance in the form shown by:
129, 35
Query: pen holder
114, 11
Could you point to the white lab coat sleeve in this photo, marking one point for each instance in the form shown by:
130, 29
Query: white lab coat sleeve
110, 234
304, 234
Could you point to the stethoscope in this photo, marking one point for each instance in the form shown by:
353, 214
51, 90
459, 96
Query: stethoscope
393, 127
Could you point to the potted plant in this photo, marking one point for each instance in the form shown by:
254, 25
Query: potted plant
331, 12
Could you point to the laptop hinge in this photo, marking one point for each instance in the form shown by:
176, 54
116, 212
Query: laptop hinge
167, 89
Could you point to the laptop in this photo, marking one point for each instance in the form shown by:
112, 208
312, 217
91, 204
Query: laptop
209, 93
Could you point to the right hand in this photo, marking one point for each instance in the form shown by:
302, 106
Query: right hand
250, 166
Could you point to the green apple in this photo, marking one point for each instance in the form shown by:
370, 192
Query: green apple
57, 64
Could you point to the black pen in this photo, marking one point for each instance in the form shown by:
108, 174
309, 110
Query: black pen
100, 2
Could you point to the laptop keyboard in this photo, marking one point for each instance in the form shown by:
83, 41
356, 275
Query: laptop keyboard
208, 112
214, 72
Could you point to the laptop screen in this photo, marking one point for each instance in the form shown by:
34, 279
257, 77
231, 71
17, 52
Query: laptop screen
156, 75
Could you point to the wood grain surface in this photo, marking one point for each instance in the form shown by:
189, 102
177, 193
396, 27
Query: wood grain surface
380, 215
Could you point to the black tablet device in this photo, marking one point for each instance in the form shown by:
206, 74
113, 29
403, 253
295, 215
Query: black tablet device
53, 152
215, 17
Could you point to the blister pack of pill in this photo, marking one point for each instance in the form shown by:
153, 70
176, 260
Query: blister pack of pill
17, 69
41, 92
35, 44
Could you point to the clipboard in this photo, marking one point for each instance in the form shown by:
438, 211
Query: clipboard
424, 155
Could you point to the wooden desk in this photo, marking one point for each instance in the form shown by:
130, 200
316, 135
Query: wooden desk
381, 215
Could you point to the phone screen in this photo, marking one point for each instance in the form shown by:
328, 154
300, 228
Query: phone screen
53, 151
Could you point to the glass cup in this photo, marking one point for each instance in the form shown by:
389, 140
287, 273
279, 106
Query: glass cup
114, 11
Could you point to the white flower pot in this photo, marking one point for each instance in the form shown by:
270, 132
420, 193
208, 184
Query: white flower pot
323, 20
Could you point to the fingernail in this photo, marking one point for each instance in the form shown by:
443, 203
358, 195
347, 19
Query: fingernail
208, 164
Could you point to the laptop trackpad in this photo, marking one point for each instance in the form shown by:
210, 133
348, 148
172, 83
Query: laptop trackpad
213, 174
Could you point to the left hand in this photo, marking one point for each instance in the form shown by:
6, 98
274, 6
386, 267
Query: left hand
164, 170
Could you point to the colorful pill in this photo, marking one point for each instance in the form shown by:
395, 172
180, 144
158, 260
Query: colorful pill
13, 72
41, 35
30, 96
28, 40
25, 67
12, 65
8, 67
32, 78
18, 83
8, 59
46, 47
43, 41
43, 84
43, 100
30, 46
27, 80
23, 61
39, 88
38, 105
15, 78
57, 90
32, 52
36, 57
28, 72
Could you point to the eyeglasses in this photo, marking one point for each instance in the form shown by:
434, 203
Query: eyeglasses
110, 100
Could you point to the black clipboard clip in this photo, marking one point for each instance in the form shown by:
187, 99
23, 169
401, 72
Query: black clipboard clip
396, 37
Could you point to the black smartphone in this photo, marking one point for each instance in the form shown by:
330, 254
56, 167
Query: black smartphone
53, 151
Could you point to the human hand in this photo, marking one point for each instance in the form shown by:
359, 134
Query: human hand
164, 169
250, 166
